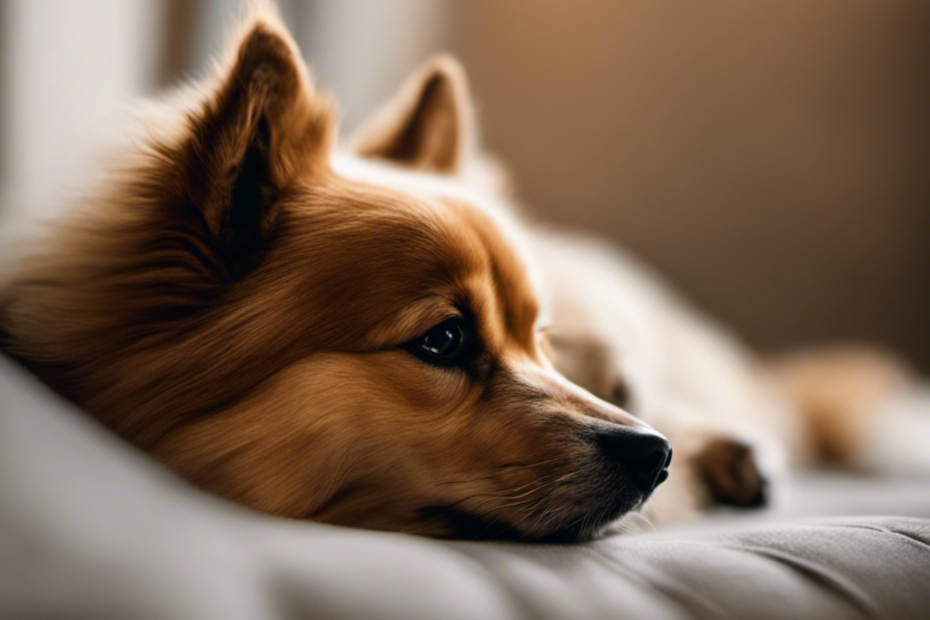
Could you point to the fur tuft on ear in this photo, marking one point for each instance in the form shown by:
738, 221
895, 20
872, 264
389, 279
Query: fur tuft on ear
257, 128
428, 125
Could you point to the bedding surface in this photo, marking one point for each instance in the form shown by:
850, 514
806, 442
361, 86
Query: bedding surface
92, 528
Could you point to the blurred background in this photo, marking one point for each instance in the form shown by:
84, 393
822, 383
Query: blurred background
772, 158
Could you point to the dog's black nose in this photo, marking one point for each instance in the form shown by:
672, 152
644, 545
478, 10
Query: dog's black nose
644, 454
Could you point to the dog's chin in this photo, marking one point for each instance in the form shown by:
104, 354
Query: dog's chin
578, 520
592, 525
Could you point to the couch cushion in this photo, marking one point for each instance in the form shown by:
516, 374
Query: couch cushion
90, 527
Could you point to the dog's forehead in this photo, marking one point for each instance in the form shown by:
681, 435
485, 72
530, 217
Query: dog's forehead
476, 194
505, 289
408, 247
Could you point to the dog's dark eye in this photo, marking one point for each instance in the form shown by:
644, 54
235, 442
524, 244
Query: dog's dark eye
445, 343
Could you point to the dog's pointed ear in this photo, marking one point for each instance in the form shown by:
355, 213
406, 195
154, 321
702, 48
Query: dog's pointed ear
428, 125
256, 128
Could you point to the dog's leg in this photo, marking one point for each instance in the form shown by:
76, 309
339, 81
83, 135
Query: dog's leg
865, 408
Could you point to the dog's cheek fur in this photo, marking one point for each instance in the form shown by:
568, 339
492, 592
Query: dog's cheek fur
326, 438
380, 441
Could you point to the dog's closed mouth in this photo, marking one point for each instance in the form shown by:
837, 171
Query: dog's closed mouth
623, 471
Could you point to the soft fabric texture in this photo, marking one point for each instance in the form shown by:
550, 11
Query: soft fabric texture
92, 528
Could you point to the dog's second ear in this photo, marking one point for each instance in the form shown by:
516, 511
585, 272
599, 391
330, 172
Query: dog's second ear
428, 125
257, 127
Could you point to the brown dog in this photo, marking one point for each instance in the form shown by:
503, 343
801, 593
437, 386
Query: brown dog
356, 336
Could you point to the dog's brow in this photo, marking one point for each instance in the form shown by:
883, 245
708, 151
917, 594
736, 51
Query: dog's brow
414, 319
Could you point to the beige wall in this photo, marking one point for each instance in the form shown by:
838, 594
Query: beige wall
772, 157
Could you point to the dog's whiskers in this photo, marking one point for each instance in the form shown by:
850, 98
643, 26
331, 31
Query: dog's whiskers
530, 504
640, 518
512, 495
516, 465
